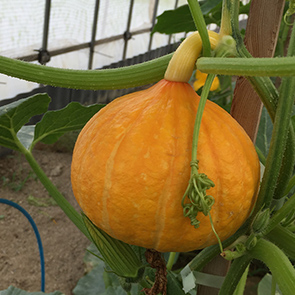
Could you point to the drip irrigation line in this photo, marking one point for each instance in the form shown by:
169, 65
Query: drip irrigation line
34, 226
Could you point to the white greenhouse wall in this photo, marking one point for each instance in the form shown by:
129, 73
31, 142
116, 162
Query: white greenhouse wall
21, 33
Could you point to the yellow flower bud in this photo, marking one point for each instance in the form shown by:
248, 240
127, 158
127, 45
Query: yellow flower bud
200, 81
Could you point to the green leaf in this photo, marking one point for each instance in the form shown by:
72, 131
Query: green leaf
207, 6
264, 133
55, 123
180, 19
98, 280
114, 291
174, 287
175, 21
91, 257
15, 291
14, 115
264, 287
92, 283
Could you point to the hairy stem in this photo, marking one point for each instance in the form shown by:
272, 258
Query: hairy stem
201, 25
280, 215
284, 239
282, 129
280, 161
280, 66
125, 77
278, 263
234, 275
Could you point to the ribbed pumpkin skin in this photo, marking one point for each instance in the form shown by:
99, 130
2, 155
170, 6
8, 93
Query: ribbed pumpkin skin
131, 167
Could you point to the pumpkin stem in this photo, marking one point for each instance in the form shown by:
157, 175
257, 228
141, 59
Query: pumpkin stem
181, 66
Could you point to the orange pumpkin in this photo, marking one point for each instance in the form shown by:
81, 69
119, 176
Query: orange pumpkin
131, 167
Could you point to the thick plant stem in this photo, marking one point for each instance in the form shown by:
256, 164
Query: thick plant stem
280, 215
125, 77
281, 131
74, 216
171, 260
284, 239
234, 275
290, 185
280, 134
201, 25
278, 263
255, 66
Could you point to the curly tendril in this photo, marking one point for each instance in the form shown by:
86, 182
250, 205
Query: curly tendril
196, 193
289, 12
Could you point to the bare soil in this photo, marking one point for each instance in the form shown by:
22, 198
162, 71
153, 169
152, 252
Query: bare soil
64, 245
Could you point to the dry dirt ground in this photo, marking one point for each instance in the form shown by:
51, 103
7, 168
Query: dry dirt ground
64, 245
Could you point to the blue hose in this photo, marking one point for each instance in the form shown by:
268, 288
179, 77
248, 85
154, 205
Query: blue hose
33, 224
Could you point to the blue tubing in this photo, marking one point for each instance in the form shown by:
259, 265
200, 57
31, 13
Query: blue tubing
33, 224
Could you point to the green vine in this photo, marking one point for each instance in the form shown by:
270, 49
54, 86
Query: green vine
199, 183
200, 25
234, 275
279, 66
125, 77
279, 265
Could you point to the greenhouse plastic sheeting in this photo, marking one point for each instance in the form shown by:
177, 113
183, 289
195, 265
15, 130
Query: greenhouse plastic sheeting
71, 22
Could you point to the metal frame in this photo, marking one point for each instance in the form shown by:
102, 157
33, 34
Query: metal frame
94, 28
43, 55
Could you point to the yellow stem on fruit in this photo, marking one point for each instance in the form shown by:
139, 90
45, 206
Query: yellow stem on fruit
182, 63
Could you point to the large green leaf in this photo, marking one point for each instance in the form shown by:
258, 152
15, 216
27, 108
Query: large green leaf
55, 123
92, 283
98, 281
180, 20
207, 6
175, 21
15, 291
14, 115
